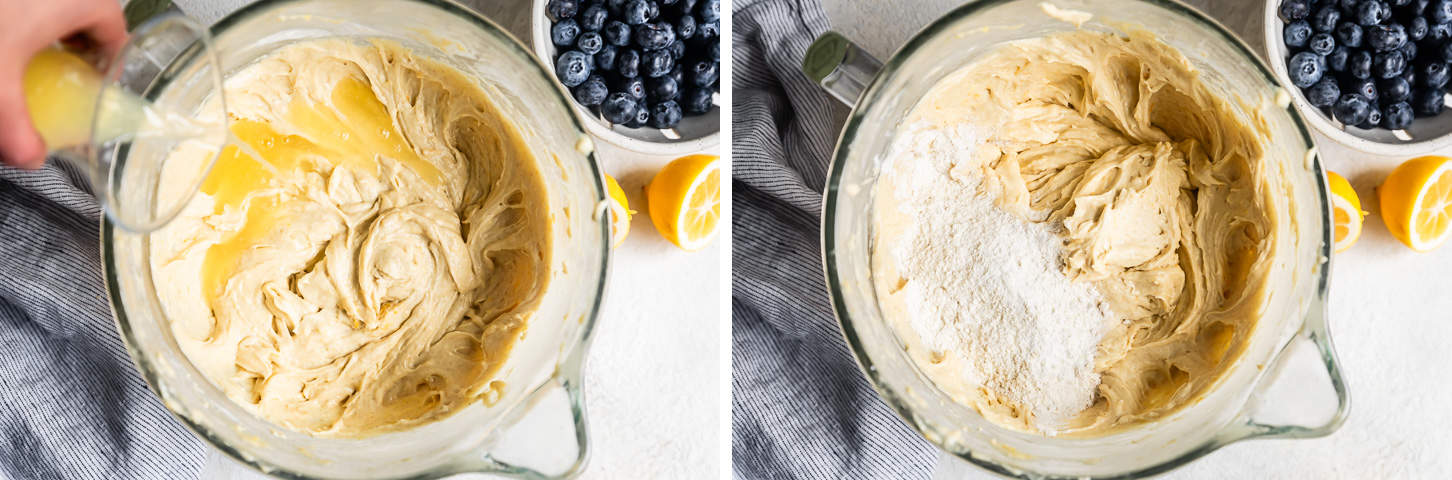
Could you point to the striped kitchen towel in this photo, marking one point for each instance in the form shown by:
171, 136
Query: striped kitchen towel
72, 405
800, 407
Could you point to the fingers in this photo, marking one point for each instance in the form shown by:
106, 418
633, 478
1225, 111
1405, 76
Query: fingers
20, 145
107, 28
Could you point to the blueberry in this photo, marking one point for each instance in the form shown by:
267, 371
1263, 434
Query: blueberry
1373, 118
642, 117
677, 49
662, 88
708, 30
1397, 116
715, 51
1394, 90
593, 18
631, 86
590, 43
654, 36
573, 67
1351, 109
1417, 28
1348, 33
1359, 64
686, 26
605, 60
1427, 102
704, 73
627, 63
616, 6
592, 92
618, 108
1321, 44
1372, 12
1388, 64
1446, 51
1305, 69
665, 115
617, 33
1325, 19
657, 63
636, 12
652, 11
710, 10
1399, 3
1324, 93
1409, 50
1335, 61
678, 74
1440, 32
1348, 5
1365, 88
696, 101
1297, 34
1434, 75
1386, 37
563, 33
562, 9
1441, 11
1418, 6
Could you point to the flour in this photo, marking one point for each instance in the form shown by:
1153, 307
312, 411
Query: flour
986, 286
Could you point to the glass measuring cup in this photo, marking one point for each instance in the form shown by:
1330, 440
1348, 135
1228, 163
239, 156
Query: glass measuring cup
1244, 403
97, 118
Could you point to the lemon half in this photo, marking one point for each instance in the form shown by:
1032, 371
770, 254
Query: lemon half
1416, 202
620, 212
1346, 210
685, 200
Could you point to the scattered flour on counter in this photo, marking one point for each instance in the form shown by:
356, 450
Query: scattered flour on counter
986, 285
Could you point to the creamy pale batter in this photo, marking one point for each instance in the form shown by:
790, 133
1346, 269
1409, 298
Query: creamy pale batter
1158, 188
366, 259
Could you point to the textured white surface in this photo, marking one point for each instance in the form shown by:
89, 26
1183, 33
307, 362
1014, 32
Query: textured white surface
652, 382
1390, 309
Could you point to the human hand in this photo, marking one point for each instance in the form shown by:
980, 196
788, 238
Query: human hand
32, 25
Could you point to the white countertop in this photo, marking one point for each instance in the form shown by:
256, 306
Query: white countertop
1390, 310
653, 379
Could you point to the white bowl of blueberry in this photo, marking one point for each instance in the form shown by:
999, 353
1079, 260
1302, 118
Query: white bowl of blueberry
1371, 74
644, 73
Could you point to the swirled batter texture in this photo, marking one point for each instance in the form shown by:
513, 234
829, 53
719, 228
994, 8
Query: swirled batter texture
1158, 188
364, 259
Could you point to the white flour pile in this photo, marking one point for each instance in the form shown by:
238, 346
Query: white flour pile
986, 286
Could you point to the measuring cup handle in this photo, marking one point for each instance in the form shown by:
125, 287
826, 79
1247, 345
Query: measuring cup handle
840, 67
550, 441
1316, 335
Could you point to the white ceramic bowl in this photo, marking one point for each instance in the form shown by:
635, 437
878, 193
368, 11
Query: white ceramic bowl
694, 134
1425, 134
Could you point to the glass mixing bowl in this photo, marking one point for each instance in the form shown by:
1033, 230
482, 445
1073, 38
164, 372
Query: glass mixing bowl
1236, 407
536, 428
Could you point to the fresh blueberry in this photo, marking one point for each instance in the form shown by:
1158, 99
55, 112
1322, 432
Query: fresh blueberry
632, 86
662, 88
1325, 19
665, 115
590, 43
1348, 33
1348, 5
654, 36
636, 12
696, 101
1335, 61
678, 74
593, 18
704, 73
715, 51
592, 92
677, 49
1434, 75
1394, 90
1441, 11
617, 33
1440, 32
1386, 37
1373, 118
686, 26
563, 33
1388, 64
1321, 44
616, 6
1359, 64
657, 63
1324, 93
1409, 50
1350, 109
652, 11
667, 2
1417, 28
708, 30
627, 63
1305, 69
562, 9
1297, 34
1372, 12
642, 117
1427, 102
1418, 6
1397, 116
618, 108
573, 67
1292, 10
605, 60
710, 10
1399, 3
1365, 88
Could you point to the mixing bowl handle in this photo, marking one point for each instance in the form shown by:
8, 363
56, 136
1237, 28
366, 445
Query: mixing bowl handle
549, 441
840, 67
1314, 334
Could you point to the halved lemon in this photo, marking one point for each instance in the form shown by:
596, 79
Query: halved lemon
685, 200
620, 212
1346, 210
1416, 202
